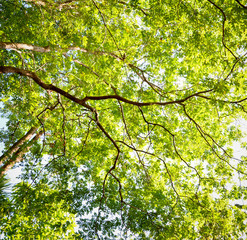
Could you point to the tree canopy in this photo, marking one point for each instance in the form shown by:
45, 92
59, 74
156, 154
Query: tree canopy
122, 116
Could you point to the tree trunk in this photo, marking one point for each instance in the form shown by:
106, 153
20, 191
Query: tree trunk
16, 152
18, 144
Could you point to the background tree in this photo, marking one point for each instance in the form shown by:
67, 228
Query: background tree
129, 109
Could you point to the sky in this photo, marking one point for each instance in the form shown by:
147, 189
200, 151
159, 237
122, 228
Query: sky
238, 152
13, 173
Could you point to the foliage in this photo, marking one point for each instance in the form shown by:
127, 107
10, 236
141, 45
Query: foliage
39, 213
133, 108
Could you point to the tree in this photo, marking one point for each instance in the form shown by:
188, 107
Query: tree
39, 213
130, 109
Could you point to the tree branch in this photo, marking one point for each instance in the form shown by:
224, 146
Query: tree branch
241, 4
37, 2
34, 48
140, 104
44, 3
18, 155
82, 102
104, 22
223, 28
204, 134
26, 73
16, 146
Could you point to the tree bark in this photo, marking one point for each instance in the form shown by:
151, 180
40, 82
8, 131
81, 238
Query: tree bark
18, 151
34, 48
82, 102
18, 144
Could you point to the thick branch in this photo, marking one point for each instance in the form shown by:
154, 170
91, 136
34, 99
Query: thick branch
8, 69
140, 104
24, 46
34, 48
18, 144
18, 155
82, 102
